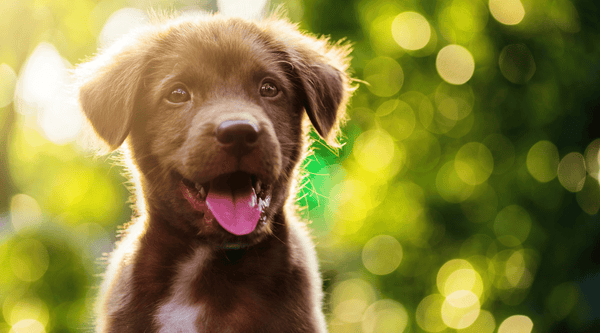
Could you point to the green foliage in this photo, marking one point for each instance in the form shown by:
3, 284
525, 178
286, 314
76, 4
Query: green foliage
465, 197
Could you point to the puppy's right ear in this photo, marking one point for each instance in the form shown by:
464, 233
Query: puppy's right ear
108, 88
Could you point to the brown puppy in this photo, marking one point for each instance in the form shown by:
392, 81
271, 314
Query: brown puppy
212, 111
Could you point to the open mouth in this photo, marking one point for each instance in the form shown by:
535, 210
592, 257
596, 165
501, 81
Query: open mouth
237, 201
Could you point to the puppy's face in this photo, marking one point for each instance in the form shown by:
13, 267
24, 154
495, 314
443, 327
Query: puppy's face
218, 131
214, 111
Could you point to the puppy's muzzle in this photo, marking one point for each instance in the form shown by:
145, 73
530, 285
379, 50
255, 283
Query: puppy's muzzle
238, 137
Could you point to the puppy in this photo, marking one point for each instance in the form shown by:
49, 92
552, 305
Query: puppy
213, 113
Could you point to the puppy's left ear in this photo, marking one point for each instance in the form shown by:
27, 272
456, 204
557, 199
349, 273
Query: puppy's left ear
324, 92
322, 71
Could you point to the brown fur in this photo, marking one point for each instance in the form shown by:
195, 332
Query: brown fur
170, 272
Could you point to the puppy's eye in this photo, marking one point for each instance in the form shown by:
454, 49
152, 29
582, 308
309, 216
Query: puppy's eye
268, 89
178, 95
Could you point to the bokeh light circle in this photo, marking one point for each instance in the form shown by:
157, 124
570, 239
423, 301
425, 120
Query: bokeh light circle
28, 326
385, 316
589, 196
374, 150
350, 298
429, 313
421, 104
512, 271
464, 279
474, 163
450, 186
19, 308
460, 309
516, 324
348, 212
411, 30
562, 299
382, 254
485, 323
397, 117
29, 260
455, 102
571, 172
381, 39
455, 64
384, 75
542, 161
515, 269
517, 63
468, 15
592, 158
439, 120
564, 15
512, 225
25, 213
447, 269
449, 108
509, 12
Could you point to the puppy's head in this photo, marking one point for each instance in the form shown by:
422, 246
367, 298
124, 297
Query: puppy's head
212, 110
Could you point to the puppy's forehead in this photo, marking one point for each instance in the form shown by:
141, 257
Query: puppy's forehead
223, 48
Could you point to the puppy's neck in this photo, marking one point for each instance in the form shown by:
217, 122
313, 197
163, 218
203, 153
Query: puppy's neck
233, 246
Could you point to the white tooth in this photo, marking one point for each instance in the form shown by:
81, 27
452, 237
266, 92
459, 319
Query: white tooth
258, 186
264, 203
201, 190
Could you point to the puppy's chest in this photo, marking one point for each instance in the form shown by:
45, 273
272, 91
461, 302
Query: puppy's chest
199, 301
178, 312
174, 316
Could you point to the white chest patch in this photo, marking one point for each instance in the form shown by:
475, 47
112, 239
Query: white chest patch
178, 318
179, 314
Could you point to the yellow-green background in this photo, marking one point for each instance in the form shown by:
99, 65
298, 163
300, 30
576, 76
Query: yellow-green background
468, 206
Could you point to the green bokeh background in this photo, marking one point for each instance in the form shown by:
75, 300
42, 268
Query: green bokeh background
495, 178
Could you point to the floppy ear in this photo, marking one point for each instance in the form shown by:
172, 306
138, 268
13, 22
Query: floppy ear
108, 86
323, 93
321, 68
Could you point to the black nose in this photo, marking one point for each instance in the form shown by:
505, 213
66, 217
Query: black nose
237, 134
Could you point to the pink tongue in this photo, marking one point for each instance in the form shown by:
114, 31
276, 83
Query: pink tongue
234, 204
